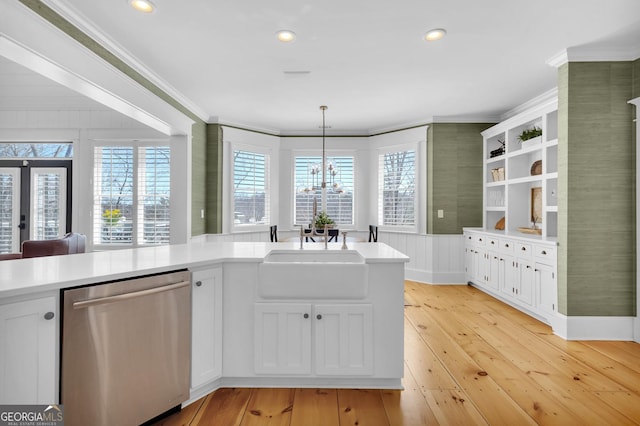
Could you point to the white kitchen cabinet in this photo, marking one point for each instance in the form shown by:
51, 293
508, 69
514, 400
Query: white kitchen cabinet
339, 336
282, 338
524, 284
28, 354
545, 288
206, 331
520, 271
343, 339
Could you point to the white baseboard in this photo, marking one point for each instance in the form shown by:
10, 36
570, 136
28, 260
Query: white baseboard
435, 278
593, 328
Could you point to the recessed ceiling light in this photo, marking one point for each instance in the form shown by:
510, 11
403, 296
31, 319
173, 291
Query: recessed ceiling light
435, 34
286, 36
142, 5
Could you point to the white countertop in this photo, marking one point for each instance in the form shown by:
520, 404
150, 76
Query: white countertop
27, 276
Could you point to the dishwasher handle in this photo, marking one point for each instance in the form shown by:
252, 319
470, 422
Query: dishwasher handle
127, 296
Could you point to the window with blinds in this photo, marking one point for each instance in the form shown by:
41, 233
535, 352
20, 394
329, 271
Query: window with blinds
131, 195
339, 175
251, 196
397, 188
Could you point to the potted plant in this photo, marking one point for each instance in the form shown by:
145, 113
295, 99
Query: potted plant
533, 135
323, 220
111, 217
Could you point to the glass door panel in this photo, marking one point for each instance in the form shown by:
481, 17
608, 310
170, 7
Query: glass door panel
9, 210
48, 203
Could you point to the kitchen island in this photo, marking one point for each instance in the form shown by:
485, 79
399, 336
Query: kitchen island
263, 314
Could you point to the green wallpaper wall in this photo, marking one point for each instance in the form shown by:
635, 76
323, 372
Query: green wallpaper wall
198, 177
596, 174
214, 179
454, 167
636, 78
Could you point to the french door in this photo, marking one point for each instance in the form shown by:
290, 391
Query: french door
35, 201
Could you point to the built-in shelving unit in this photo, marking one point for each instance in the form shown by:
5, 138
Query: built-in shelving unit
518, 263
510, 185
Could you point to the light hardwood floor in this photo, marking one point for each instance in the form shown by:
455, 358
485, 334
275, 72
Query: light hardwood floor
469, 360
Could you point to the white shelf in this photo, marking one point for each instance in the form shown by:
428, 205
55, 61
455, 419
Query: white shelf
519, 185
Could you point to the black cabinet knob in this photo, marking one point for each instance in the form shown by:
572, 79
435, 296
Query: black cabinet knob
306, 316
49, 315
319, 316
198, 283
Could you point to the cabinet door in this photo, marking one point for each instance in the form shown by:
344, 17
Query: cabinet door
206, 326
28, 352
343, 339
546, 288
524, 291
510, 275
282, 338
494, 273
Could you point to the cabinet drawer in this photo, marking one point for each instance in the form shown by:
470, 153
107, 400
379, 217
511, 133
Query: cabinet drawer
493, 243
506, 245
523, 249
545, 252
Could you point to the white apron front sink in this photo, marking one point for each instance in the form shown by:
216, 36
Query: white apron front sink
313, 274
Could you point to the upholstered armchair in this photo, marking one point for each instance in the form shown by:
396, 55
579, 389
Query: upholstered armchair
71, 243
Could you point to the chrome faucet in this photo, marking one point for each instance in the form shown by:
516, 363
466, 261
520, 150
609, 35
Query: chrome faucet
314, 233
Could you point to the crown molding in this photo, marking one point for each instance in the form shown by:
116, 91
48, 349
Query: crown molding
546, 98
594, 54
466, 119
91, 30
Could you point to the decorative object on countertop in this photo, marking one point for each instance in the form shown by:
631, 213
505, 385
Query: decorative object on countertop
500, 224
273, 233
536, 168
497, 174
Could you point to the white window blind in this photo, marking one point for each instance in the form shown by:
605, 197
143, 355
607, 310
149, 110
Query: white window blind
131, 195
251, 195
48, 203
9, 210
397, 188
340, 188
154, 207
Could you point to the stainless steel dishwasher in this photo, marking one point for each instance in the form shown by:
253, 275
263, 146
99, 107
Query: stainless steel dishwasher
126, 349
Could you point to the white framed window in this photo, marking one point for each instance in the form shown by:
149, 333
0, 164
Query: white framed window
397, 196
339, 176
251, 196
132, 200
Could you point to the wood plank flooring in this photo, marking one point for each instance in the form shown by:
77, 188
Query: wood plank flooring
469, 360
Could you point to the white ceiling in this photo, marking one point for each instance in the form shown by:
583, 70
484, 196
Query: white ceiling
367, 59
